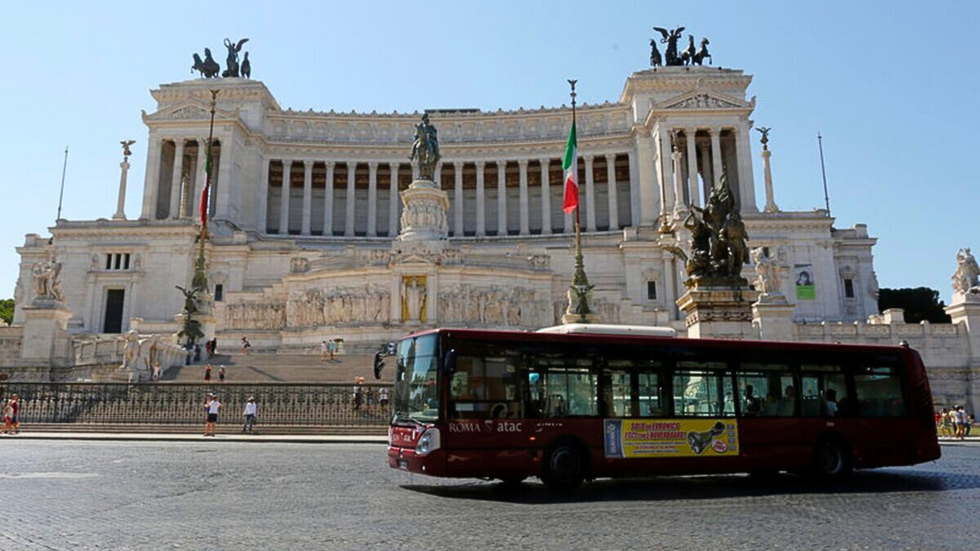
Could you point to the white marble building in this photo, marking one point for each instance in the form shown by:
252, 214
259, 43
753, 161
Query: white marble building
292, 264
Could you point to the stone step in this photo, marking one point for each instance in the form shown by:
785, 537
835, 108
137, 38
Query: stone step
226, 427
282, 368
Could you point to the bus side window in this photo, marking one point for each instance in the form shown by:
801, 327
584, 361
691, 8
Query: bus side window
879, 392
824, 391
484, 387
767, 390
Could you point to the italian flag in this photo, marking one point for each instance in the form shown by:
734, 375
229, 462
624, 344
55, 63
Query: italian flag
207, 188
569, 164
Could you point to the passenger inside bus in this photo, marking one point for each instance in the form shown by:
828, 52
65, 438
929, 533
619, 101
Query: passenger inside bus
752, 405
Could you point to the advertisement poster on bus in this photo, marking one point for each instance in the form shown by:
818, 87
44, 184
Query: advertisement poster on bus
647, 438
805, 289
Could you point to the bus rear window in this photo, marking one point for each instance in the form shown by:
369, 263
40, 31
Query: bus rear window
879, 392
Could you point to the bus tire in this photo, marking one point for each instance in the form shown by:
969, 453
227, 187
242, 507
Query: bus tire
564, 467
832, 460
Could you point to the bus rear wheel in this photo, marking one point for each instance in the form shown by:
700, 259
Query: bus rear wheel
831, 460
564, 468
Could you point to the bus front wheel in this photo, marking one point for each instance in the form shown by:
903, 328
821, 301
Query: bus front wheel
832, 460
564, 468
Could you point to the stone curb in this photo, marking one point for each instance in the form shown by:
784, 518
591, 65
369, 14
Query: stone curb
156, 437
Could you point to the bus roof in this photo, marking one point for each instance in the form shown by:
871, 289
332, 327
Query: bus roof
607, 329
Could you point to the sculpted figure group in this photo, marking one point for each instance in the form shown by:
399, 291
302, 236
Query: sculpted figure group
209, 68
769, 275
966, 280
45, 282
268, 315
672, 58
718, 248
515, 307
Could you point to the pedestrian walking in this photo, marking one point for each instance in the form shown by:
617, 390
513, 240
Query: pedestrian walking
969, 423
8, 417
959, 417
207, 373
212, 407
324, 351
250, 411
207, 348
332, 347
358, 397
221, 374
383, 397
15, 404
245, 346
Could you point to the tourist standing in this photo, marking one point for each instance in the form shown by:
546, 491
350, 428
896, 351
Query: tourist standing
332, 346
383, 397
959, 417
8, 417
249, 413
207, 348
221, 374
358, 397
324, 351
245, 346
207, 373
15, 404
212, 406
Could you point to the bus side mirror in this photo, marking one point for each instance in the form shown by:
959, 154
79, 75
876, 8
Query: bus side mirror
449, 365
379, 364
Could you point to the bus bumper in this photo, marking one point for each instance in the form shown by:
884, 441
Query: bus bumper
405, 459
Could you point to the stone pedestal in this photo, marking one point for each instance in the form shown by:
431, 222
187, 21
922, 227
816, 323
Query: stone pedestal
719, 312
424, 214
773, 320
965, 312
45, 337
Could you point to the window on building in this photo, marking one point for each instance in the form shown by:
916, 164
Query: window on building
117, 261
651, 290
849, 287
219, 292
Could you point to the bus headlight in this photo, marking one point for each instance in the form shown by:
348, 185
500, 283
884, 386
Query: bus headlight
429, 442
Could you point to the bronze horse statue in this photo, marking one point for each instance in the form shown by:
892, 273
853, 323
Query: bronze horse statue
687, 56
655, 59
702, 53
208, 68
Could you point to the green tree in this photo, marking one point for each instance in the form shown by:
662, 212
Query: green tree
920, 304
7, 310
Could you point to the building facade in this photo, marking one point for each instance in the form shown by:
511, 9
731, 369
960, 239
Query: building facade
305, 216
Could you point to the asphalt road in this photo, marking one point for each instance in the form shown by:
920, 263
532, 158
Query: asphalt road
220, 495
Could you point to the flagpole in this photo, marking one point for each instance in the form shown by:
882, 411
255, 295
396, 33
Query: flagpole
578, 310
578, 224
61, 195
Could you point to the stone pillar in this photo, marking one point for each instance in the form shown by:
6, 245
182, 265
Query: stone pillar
328, 201
634, 190
648, 178
287, 169
773, 320
481, 201
437, 175
666, 175
44, 340
307, 196
201, 179
724, 313
613, 199
501, 197
151, 188
692, 167
745, 179
121, 200
706, 172
372, 217
965, 312
716, 155
679, 205
545, 196
525, 200
393, 203
222, 193
590, 209
263, 214
770, 199
458, 199
178, 177
349, 218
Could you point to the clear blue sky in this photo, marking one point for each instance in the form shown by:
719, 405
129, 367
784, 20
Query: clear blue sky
891, 85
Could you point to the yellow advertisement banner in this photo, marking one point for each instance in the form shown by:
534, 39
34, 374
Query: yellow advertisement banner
646, 438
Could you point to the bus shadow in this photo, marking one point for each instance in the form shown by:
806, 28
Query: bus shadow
703, 487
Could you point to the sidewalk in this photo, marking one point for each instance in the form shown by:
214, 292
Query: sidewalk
161, 437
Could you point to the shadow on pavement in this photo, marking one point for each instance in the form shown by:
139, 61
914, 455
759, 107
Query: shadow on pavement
703, 487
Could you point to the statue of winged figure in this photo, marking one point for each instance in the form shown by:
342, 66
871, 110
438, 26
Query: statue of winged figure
125, 145
670, 38
231, 63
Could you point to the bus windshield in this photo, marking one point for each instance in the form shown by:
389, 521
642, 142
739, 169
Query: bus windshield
416, 396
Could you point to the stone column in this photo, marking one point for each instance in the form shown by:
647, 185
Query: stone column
716, 155
121, 201
501, 197
679, 205
393, 206
178, 177
307, 196
770, 199
349, 218
223, 207
613, 199
328, 201
372, 218
525, 200
589, 194
773, 320
287, 169
545, 196
263, 214
201, 179
634, 190
666, 175
151, 188
648, 176
481, 200
692, 167
458, 199
743, 151
706, 172
437, 175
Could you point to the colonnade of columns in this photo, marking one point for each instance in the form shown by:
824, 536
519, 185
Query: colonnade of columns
174, 181
538, 196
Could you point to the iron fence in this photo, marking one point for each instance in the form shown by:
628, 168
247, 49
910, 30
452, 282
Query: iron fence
296, 405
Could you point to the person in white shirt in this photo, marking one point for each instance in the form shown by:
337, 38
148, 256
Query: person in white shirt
212, 406
831, 402
323, 351
250, 410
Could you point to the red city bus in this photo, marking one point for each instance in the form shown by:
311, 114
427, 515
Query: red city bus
570, 407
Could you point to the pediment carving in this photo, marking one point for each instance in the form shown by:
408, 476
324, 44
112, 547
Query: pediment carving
702, 100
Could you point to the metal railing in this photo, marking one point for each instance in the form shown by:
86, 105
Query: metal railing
292, 405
